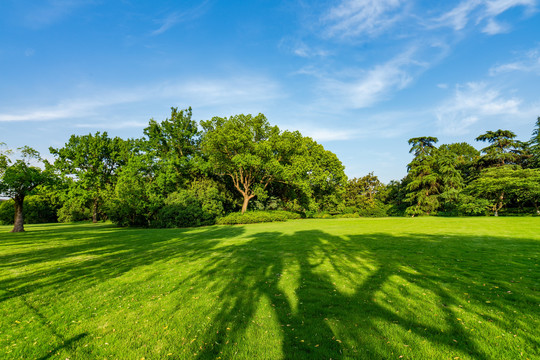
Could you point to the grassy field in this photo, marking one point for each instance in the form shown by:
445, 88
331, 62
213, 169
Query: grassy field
422, 288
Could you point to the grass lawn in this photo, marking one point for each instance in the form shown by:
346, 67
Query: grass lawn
421, 288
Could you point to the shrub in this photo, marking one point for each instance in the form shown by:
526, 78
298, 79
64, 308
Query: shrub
252, 217
199, 205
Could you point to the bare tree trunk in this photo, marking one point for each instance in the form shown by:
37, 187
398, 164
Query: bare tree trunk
246, 201
18, 224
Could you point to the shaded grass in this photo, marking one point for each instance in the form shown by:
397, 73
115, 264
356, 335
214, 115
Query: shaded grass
420, 288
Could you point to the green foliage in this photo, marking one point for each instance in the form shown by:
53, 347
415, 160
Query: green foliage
199, 205
240, 147
142, 187
93, 161
365, 196
498, 185
252, 217
37, 209
503, 149
534, 145
176, 139
20, 178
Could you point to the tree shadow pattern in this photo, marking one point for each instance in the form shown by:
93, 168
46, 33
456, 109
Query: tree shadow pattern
349, 291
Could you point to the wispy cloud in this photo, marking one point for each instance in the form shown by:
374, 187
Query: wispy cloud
197, 92
481, 13
364, 88
362, 17
47, 12
529, 62
472, 102
177, 17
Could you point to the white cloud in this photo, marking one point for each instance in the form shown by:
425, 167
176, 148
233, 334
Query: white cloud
529, 62
198, 93
180, 16
494, 27
362, 17
361, 89
482, 12
472, 102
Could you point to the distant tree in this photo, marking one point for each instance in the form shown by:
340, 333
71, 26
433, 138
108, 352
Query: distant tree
94, 161
449, 177
528, 187
498, 185
316, 173
503, 149
177, 139
466, 159
18, 179
362, 192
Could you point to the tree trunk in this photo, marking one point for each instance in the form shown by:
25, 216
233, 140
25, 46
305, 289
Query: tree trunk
94, 211
18, 224
245, 204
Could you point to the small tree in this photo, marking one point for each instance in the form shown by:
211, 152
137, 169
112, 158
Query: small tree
18, 179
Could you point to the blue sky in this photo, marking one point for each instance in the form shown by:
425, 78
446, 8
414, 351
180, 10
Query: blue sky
361, 77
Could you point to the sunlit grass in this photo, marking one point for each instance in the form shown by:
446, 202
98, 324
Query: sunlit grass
422, 288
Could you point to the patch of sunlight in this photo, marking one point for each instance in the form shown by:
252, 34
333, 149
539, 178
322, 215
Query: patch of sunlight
288, 283
408, 303
264, 330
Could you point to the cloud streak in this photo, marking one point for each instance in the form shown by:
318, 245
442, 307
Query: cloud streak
197, 92
472, 102
362, 17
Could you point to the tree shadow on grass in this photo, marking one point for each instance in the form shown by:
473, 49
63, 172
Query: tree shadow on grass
346, 296
351, 296
86, 257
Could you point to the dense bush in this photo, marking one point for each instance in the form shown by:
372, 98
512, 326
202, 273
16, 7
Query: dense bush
252, 217
37, 209
199, 205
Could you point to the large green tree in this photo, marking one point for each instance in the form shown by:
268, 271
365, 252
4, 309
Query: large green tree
19, 178
94, 161
242, 148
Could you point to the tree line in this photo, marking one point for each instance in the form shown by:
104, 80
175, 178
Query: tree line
183, 173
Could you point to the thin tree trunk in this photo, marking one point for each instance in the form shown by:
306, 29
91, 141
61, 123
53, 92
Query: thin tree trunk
18, 224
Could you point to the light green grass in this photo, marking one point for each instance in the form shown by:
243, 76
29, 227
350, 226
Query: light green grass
422, 288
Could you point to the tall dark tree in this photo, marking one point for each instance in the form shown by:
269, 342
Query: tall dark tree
424, 185
94, 161
503, 148
534, 146
18, 179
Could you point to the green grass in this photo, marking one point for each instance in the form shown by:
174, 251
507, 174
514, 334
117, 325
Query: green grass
422, 288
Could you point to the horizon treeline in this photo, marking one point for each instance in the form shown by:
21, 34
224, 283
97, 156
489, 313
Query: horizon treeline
180, 173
